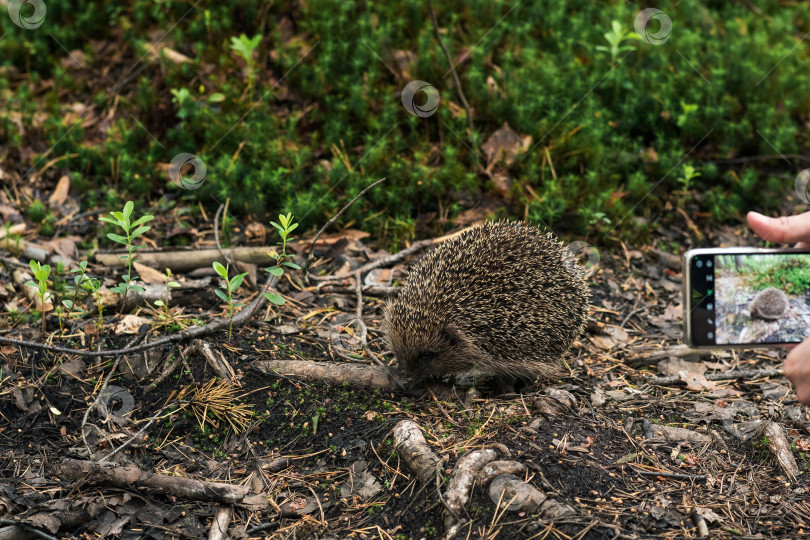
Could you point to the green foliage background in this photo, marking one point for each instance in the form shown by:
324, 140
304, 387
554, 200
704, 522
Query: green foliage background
728, 84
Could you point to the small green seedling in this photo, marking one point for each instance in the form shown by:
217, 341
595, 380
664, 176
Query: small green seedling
688, 174
167, 278
94, 286
229, 287
163, 312
615, 38
41, 273
132, 229
284, 229
244, 47
78, 279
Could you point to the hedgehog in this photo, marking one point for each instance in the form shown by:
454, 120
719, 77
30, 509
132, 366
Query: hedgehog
501, 299
770, 304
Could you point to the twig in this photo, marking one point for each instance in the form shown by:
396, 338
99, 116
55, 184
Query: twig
384, 261
232, 264
194, 332
25, 527
98, 398
674, 476
461, 95
311, 254
727, 376
137, 435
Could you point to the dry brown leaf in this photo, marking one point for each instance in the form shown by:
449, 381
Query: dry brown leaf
130, 324
60, 192
504, 144
695, 381
148, 274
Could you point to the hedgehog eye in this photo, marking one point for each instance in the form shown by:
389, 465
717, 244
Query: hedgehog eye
426, 357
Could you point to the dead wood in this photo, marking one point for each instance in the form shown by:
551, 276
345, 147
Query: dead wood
493, 469
649, 357
727, 376
512, 493
335, 373
411, 445
187, 260
461, 483
130, 477
780, 447
219, 527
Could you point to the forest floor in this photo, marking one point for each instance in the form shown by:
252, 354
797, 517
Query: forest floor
638, 439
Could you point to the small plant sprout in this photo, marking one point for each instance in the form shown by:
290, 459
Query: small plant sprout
41, 273
244, 47
163, 312
285, 227
229, 287
78, 280
94, 286
688, 174
132, 229
615, 38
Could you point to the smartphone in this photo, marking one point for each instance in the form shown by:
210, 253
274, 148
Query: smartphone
746, 297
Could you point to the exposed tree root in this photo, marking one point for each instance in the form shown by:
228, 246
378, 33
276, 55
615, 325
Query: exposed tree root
332, 372
132, 478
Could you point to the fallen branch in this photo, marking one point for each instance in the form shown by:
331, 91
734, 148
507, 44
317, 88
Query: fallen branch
332, 372
727, 376
130, 477
311, 254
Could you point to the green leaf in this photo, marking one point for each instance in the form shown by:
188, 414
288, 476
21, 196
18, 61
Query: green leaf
136, 288
291, 265
30, 283
221, 270
275, 298
276, 271
216, 97
128, 209
105, 219
139, 231
276, 225
117, 238
68, 303
237, 281
173, 284
143, 219
222, 295
34, 266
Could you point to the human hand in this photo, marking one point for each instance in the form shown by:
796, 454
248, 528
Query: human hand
789, 229
797, 370
782, 230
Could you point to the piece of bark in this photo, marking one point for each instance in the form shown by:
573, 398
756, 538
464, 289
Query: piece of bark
130, 477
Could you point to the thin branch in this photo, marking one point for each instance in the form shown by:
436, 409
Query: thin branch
727, 376
460, 90
311, 254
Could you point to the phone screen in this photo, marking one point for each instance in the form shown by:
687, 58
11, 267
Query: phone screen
749, 298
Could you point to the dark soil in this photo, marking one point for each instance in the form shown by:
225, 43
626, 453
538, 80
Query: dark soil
342, 478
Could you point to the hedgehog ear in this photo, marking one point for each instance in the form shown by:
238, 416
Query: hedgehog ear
451, 335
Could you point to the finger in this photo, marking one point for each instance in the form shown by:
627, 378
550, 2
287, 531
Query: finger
798, 356
782, 230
